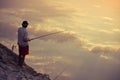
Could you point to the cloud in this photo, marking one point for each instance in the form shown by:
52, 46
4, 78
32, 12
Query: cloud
87, 66
33, 10
107, 53
5, 4
117, 31
97, 6
34, 57
66, 49
99, 49
102, 66
8, 31
59, 37
81, 64
107, 18
106, 31
105, 57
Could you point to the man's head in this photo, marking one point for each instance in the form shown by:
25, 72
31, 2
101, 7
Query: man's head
25, 24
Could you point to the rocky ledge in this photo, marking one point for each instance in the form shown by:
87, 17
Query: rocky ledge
9, 69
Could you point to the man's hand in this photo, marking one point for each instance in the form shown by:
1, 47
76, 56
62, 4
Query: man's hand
29, 39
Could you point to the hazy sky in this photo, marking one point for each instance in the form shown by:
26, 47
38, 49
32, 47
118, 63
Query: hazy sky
89, 43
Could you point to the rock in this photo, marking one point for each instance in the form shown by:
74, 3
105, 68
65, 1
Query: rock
9, 69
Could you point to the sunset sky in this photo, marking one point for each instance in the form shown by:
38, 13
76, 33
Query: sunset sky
89, 46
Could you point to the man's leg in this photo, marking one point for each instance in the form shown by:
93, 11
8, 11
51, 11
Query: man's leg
21, 60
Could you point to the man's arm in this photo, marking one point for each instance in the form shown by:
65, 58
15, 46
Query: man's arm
26, 39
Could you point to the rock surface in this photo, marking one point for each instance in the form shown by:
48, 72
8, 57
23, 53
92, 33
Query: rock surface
9, 69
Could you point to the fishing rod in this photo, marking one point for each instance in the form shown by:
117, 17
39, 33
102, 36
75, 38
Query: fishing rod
56, 77
46, 35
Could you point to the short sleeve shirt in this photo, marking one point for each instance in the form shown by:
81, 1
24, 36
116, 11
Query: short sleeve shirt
22, 35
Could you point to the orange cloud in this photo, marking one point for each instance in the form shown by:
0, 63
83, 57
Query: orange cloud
99, 49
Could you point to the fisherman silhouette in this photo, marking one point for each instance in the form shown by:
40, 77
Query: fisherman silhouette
23, 44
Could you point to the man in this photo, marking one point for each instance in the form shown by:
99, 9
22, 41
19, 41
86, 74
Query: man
23, 42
